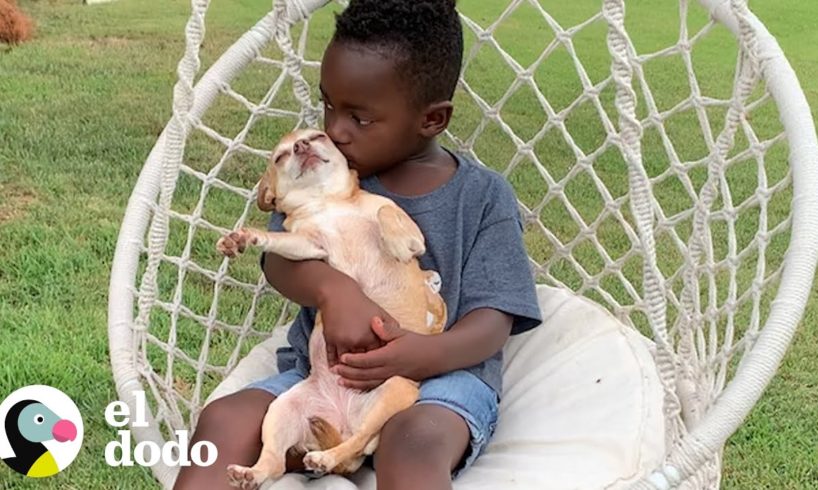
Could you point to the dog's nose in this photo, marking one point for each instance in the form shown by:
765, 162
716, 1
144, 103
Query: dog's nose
301, 146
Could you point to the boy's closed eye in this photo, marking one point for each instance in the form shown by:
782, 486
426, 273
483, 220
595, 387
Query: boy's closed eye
360, 120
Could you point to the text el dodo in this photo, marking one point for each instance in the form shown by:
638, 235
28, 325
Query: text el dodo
148, 453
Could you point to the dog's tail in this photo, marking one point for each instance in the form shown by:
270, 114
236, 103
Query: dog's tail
327, 436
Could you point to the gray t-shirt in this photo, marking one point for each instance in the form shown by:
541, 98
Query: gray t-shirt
474, 240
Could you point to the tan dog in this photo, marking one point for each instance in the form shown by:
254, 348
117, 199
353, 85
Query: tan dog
369, 238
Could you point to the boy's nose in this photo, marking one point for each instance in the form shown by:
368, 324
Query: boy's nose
301, 146
336, 132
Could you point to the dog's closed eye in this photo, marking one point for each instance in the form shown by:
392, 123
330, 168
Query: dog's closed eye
281, 155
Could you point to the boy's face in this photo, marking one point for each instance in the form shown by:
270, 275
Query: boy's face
368, 112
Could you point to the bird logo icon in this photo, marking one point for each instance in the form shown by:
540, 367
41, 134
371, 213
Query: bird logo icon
41, 429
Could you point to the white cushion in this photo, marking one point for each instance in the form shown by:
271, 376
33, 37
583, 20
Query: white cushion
581, 408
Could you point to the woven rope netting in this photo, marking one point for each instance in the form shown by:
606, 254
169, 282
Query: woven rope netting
652, 177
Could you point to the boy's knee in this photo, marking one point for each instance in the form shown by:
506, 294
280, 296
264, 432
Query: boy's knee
410, 434
424, 433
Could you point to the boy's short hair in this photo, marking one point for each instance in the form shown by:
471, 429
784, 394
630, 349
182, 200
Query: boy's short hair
425, 37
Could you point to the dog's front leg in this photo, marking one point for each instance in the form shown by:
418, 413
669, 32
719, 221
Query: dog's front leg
394, 395
293, 246
284, 426
400, 236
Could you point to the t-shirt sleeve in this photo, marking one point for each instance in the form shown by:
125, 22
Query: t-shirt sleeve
496, 273
276, 223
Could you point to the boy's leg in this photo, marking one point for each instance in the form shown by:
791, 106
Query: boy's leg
419, 448
233, 424
442, 434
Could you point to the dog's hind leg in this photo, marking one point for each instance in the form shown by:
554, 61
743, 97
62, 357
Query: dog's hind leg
284, 426
327, 437
394, 395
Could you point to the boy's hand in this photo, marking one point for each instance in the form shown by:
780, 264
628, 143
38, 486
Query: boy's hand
406, 354
346, 313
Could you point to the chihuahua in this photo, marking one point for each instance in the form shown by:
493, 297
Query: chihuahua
369, 238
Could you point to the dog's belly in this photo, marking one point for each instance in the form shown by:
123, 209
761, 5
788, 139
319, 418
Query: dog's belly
358, 255
342, 407
398, 288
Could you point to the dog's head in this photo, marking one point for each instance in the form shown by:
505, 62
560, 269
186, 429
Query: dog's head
305, 165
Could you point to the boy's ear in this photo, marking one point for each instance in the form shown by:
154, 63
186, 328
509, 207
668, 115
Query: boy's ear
436, 118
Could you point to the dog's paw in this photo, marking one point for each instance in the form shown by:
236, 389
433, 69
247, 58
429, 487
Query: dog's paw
244, 477
319, 461
235, 242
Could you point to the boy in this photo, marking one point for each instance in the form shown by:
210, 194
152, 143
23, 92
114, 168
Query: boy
387, 80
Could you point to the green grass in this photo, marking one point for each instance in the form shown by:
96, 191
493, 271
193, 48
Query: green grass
83, 103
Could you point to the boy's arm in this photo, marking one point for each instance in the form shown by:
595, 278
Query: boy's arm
306, 282
346, 311
478, 335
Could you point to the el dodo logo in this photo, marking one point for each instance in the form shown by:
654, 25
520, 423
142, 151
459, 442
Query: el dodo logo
40, 431
148, 453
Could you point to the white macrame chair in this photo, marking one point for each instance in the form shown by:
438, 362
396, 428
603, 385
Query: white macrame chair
718, 296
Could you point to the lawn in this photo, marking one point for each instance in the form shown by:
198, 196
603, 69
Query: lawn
82, 104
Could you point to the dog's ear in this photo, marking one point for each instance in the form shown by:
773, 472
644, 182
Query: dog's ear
266, 199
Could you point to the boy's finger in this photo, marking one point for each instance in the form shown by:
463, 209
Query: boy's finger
367, 360
388, 330
376, 345
357, 374
332, 355
361, 385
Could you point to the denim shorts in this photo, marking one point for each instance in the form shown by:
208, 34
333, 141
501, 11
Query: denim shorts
460, 391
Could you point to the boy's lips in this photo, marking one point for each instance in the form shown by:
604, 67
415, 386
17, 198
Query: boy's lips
351, 163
